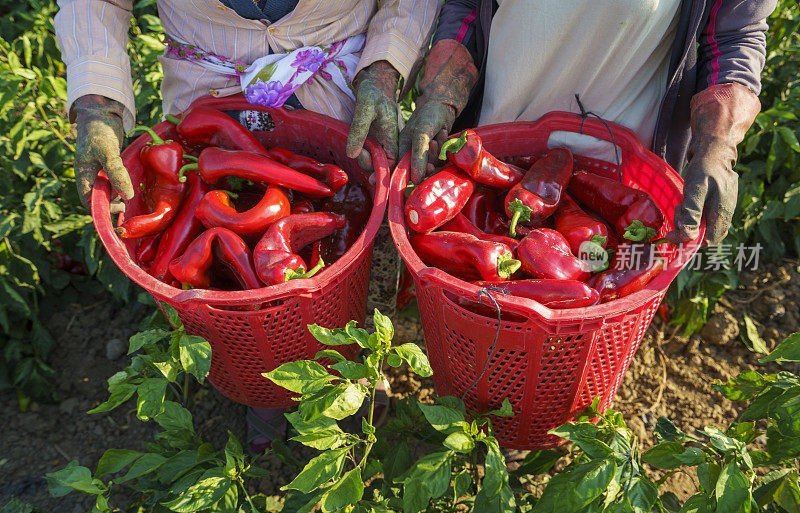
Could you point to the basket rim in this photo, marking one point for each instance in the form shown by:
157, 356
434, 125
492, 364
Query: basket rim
102, 196
552, 121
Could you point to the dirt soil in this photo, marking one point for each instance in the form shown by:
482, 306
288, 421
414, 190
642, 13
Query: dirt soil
670, 375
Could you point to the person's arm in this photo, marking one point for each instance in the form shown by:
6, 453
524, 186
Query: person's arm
457, 21
93, 37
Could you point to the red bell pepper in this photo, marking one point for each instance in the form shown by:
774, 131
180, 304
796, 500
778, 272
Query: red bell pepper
577, 226
302, 207
215, 163
550, 293
334, 176
619, 204
465, 256
204, 126
164, 189
183, 230
467, 152
438, 199
622, 280
461, 224
216, 209
483, 210
536, 197
355, 203
216, 244
545, 253
275, 255
148, 248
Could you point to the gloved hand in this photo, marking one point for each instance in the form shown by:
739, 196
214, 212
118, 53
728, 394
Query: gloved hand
99, 124
375, 113
720, 117
445, 85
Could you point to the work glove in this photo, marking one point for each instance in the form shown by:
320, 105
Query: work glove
720, 117
375, 113
444, 87
99, 125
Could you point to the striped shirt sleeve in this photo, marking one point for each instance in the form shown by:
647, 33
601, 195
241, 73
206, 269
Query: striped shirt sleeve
399, 33
93, 36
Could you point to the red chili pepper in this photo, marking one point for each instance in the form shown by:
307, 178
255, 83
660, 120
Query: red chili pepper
148, 248
215, 163
465, 256
204, 126
619, 204
275, 256
621, 281
216, 209
550, 293
483, 210
467, 152
536, 197
461, 224
438, 199
545, 253
183, 230
302, 207
405, 290
334, 176
220, 244
164, 188
355, 203
577, 226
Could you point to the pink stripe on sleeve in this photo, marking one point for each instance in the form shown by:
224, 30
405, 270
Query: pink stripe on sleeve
462, 31
712, 41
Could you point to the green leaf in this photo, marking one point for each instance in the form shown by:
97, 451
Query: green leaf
330, 353
669, 455
174, 416
768, 485
229, 503
383, 327
353, 370
151, 397
119, 394
210, 488
17, 302
302, 377
195, 354
751, 338
319, 471
788, 496
322, 433
698, 503
787, 351
459, 442
732, 490
443, 418
330, 337
537, 462
397, 462
416, 359
73, 477
114, 460
149, 462
347, 490
429, 479
496, 474
641, 494
505, 410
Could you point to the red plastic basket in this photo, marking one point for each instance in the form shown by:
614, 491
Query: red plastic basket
552, 364
247, 342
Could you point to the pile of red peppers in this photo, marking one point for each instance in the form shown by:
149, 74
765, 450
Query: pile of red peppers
226, 213
546, 232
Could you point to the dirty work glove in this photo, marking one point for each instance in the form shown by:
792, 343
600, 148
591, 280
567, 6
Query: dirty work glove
720, 116
444, 88
99, 124
376, 112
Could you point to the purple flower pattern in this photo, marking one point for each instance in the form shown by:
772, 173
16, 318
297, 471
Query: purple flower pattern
270, 94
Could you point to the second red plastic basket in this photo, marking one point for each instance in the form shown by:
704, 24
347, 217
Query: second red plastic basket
254, 331
553, 362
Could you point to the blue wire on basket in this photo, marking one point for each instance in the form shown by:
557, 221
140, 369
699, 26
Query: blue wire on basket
585, 114
485, 291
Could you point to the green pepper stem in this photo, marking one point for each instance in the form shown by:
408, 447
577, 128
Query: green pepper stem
182, 170
294, 274
507, 266
190, 158
453, 145
153, 135
512, 228
520, 212
172, 119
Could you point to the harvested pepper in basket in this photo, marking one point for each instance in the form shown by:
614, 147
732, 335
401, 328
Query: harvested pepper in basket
577, 226
461, 224
148, 247
537, 196
183, 230
164, 190
619, 204
438, 199
204, 126
467, 152
465, 256
355, 203
302, 207
331, 174
545, 253
216, 209
483, 209
215, 163
550, 293
625, 278
215, 244
276, 254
